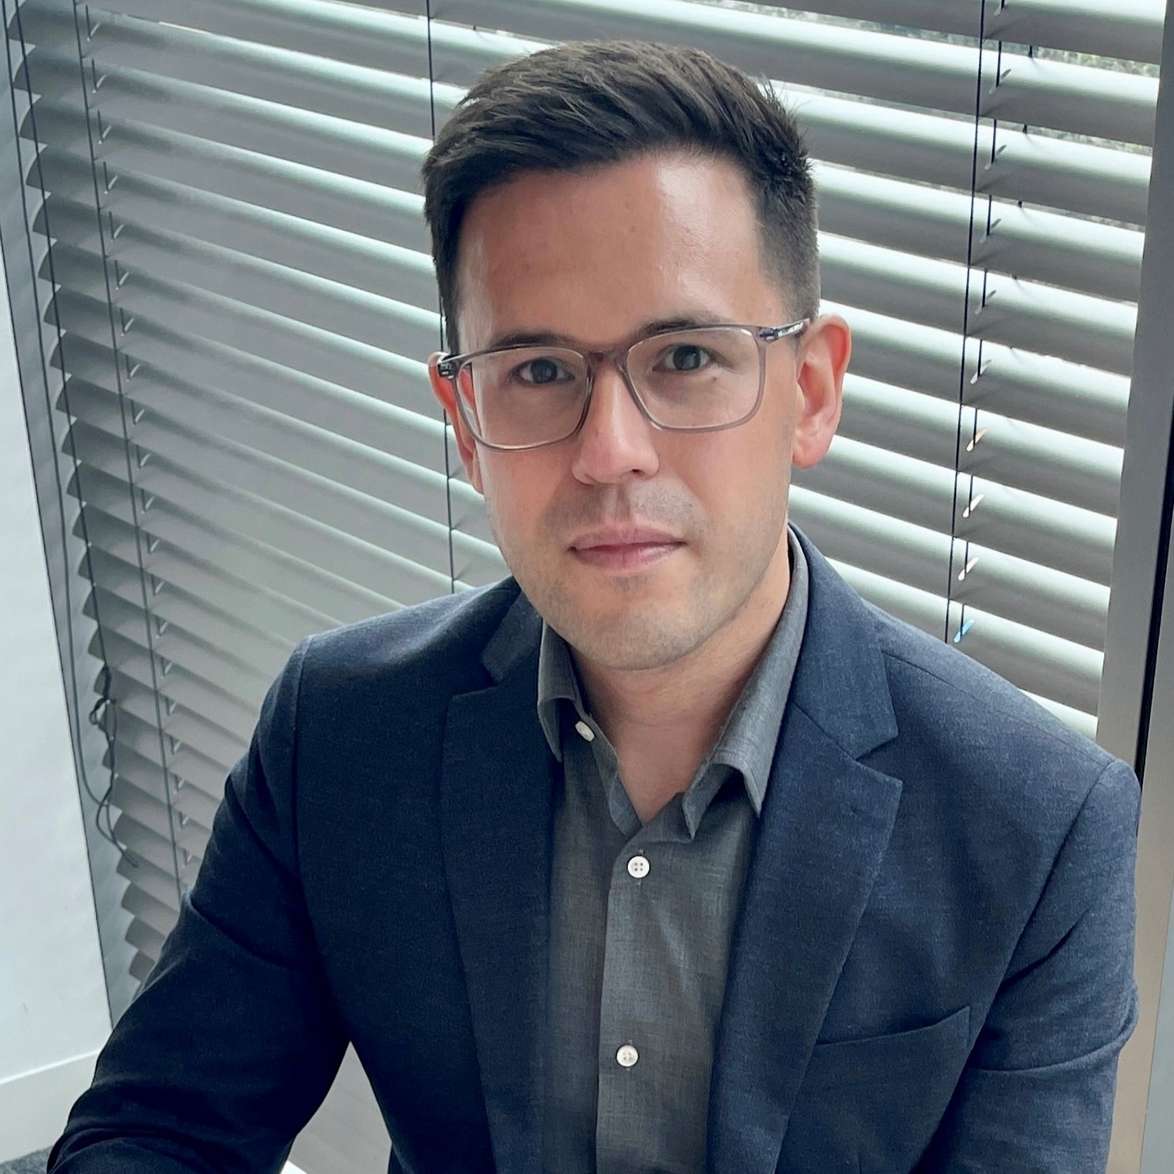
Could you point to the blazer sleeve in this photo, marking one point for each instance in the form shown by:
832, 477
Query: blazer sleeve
1037, 1092
233, 1040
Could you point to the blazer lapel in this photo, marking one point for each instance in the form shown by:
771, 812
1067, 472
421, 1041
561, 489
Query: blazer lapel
496, 809
822, 832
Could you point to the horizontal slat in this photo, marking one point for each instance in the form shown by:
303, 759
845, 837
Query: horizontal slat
1067, 251
160, 884
187, 801
151, 912
143, 841
141, 748
1032, 660
1015, 522
175, 212
1130, 29
1084, 723
1017, 589
141, 965
347, 310
1070, 679
318, 352
233, 715
356, 34
1061, 250
326, 402
136, 730
1088, 331
420, 545
1011, 452
1016, 164
282, 595
185, 728
167, 278
189, 836
349, 205
1036, 528
1037, 389
207, 645
362, 559
222, 374
341, 89
149, 811
195, 599
1025, 167
478, 564
879, 65
144, 938
182, 108
178, 422
1094, 257
1035, 661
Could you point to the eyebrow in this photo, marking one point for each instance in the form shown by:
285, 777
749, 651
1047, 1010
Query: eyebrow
553, 338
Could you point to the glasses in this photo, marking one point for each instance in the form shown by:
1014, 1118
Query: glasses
700, 379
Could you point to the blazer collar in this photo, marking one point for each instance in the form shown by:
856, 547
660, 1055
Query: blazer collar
822, 833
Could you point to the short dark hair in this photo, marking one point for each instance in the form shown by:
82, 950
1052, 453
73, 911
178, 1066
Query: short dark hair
583, 104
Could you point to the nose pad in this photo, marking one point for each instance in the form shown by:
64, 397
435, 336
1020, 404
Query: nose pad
615, 440
609, 382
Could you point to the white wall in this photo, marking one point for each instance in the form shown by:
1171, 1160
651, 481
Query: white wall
53, 1009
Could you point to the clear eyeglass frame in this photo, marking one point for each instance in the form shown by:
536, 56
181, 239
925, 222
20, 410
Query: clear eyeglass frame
450, 367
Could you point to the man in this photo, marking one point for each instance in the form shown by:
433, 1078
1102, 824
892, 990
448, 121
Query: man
668, 852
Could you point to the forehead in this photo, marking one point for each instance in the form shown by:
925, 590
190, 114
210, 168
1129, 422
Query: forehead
592, 253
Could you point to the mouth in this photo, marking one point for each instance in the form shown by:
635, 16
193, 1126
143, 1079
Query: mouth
631, 556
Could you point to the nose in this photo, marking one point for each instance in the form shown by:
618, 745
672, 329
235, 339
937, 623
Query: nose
616, 439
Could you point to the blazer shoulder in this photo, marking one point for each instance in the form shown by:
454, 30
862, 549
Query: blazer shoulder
431, 640
954, 711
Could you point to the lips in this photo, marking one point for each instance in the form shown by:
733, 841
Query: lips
626, 556
625, 536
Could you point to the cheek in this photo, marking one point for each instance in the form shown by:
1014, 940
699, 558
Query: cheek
742, 485
516, 494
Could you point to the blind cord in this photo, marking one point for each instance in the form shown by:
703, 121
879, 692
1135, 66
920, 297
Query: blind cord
452, 574
105, 702
964, 624
89, 86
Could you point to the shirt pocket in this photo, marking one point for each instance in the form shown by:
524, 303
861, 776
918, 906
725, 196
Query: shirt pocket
873, 1104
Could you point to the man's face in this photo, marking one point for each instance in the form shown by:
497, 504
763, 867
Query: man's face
594, 256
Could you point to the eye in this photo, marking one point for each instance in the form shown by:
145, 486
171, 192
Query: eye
685, 357
542, 372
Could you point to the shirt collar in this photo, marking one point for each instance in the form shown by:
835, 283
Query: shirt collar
747, 738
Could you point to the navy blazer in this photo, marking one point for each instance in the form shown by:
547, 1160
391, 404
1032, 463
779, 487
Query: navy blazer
931, 969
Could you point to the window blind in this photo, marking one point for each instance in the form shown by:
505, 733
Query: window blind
227, 210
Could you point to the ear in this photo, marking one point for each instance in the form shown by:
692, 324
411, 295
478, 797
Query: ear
824, 351
445, 391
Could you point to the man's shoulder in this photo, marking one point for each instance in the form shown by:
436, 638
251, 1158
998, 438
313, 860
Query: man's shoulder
987, 736
438, 640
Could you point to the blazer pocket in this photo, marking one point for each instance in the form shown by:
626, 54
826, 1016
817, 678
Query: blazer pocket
873, 1104
899, 1056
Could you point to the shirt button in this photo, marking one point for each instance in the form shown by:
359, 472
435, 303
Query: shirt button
585, 730
638, 866
627, 1056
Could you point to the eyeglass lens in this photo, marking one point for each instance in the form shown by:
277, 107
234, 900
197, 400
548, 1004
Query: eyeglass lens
686, 379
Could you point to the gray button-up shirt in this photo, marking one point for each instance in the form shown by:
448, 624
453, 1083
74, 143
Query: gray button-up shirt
642, 916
